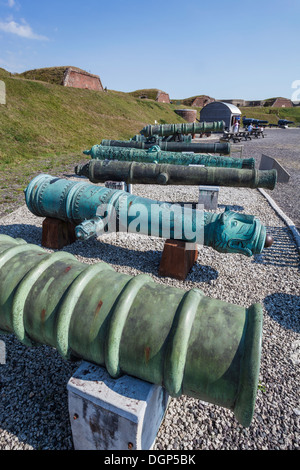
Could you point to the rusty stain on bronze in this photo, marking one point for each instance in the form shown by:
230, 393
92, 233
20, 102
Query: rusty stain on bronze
147, 353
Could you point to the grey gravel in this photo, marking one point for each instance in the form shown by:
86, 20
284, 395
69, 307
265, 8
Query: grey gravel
33, 396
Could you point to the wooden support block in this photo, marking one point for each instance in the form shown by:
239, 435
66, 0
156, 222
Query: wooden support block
56, 233
177, 260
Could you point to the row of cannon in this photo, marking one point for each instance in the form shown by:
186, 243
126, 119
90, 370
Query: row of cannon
183, 340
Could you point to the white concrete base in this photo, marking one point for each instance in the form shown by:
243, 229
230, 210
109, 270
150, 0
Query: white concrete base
208, 197
2, 92
119, 185
113, 414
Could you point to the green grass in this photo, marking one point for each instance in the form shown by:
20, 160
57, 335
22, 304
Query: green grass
272, 114
53, 75
150, 93
42, 119
4, 73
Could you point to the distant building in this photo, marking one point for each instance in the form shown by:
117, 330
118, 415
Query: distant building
201, 101
273, 102
162, 97
235, 102
77, 78
189, 115
279, 103
255, 103
220, 111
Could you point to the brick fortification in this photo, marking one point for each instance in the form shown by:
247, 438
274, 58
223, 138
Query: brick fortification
189, 115
162, 97
77, 78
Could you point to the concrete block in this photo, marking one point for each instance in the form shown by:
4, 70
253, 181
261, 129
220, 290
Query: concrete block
2, 92
208, 197
270, 163
121, 185
114, 414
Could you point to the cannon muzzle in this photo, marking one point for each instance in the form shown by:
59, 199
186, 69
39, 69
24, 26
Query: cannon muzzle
182, 340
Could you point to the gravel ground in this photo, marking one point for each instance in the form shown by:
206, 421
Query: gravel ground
33, 396
284, 146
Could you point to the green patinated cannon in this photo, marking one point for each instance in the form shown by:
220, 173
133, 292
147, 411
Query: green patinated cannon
95, 210
165, 130
156, 155
177, 139
153, 173
182, 340
221, 148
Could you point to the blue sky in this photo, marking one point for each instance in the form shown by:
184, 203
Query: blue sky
224, 49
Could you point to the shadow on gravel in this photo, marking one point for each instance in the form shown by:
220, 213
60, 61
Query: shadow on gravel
283, 252
284, 309
29, 233
34, 396
145, 261
234, 208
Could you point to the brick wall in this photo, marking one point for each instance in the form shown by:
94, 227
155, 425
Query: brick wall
81, 79
163, 97
282, 103
188, 114
202, 101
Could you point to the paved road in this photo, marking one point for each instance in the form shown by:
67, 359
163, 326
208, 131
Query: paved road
284, 145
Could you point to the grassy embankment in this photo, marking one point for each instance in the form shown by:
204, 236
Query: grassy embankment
45, 127
42, 119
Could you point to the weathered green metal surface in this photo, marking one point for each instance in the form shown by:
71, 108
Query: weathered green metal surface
188, 343
156, 155
186, 128
157, 139
221, 148
91, 208
99, 171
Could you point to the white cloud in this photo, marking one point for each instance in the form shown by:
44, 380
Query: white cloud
11, 3
23, 30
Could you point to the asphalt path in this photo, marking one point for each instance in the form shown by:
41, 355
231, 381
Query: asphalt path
284, 146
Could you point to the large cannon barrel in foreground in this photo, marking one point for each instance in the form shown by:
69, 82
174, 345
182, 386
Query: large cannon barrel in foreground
99, 171
221, 148
186, 128
92, 208
188, 343
156, 155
